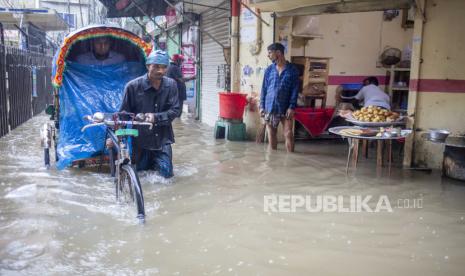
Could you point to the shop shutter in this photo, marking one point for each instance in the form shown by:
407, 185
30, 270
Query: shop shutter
216, 22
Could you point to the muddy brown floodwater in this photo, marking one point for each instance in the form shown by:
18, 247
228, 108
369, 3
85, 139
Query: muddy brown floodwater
210, 218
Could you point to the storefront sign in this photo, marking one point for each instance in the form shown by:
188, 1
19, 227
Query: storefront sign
188, 66
190, 89
150, 27
248, 26
174, 15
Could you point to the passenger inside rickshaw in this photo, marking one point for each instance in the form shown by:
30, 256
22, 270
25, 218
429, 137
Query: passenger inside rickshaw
90, 85
103, 50
100, 53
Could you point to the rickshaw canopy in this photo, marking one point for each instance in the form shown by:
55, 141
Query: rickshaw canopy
73, 39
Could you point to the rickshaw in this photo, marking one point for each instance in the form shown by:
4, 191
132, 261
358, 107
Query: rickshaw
81, 90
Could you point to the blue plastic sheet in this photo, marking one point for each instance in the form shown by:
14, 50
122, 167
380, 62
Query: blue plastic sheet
87, 89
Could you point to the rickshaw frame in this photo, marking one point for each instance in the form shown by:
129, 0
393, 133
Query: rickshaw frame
50, 132
126, 180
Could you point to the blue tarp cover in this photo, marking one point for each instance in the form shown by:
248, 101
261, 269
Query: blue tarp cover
87, 89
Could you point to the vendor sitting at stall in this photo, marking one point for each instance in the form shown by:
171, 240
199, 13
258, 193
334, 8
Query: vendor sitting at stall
372, 95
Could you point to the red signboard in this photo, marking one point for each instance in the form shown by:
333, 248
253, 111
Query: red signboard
170, 16
188, 67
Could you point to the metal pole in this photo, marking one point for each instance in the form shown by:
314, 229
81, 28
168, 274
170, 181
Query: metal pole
80, 11
2, 35
89, 6
69, 13
234, 59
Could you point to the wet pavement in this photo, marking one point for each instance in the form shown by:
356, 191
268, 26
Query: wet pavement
210, 219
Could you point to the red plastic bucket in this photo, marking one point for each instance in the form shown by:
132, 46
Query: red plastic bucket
232, 105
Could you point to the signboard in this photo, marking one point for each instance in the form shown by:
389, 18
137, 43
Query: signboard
248, 34
150, 27
174, 15
190, 89
248, 26
188, 67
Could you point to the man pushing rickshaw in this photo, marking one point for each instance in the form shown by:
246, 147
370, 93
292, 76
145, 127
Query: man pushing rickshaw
115, 77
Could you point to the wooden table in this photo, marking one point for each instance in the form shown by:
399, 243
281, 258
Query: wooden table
354, 144
380, 144
310, 100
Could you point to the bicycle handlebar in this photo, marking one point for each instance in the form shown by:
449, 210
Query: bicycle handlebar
112, 123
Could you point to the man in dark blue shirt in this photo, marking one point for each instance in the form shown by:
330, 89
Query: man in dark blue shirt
278, 97
157, 97
175, 72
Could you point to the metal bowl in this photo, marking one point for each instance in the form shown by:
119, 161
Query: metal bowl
438, 134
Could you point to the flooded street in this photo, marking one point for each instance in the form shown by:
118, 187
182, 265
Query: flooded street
210, 219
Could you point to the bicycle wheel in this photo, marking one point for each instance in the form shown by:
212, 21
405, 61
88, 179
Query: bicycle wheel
129, 190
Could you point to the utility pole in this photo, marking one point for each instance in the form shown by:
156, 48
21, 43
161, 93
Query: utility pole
80, 11
89, 8
69, 14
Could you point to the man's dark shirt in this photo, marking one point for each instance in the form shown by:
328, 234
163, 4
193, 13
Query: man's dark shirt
141, 97
174, 72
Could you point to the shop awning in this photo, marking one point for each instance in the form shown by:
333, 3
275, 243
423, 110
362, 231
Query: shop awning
314, 7
134, 8
45, 19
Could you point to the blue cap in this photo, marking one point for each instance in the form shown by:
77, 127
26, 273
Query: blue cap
158, 57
